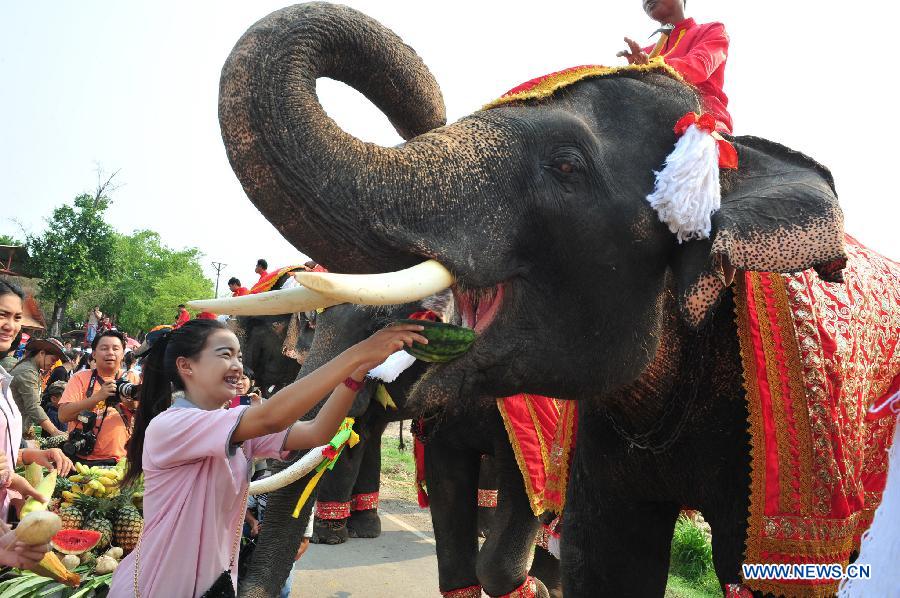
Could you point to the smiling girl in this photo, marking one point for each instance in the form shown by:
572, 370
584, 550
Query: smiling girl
196, 456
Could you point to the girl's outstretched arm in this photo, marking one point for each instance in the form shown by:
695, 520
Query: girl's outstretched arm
291, 402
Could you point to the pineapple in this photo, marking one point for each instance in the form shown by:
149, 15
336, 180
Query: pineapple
71, 517
97, 512
128, 526
101, 524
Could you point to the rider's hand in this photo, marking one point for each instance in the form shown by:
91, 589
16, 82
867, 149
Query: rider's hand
378, 347
636, 55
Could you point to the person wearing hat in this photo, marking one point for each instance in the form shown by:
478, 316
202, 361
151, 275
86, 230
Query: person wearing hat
26, 385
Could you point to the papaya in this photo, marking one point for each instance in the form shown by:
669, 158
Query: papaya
45, 488
446, 342
50, 566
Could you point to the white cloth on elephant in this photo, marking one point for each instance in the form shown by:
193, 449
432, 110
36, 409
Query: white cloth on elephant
392, 367
880, 545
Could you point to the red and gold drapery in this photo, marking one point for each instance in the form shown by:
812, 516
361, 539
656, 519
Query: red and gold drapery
816, 356
541, 431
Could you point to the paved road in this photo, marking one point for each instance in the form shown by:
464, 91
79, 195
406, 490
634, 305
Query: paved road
399, 562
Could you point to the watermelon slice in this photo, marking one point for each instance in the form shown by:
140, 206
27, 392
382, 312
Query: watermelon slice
75, 541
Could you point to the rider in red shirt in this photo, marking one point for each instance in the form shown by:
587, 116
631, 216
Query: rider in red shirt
697, 52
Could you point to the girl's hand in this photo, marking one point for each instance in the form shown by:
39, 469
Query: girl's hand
378, 347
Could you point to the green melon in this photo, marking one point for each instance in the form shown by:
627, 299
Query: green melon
446, 342
75, 541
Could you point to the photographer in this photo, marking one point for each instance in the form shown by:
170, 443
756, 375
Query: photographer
97, 405
26, 385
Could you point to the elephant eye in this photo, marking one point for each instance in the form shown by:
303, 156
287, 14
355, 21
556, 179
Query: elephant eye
566, 167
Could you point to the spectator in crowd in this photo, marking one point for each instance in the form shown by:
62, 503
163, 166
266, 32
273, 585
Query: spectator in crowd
9, 359
67, 345
262, 268
63, 368
26, 385
205, 315
84, 363
95, 391
183, 316
130, 364
14, 488
52, 396
236, 289
93, 322
245, 390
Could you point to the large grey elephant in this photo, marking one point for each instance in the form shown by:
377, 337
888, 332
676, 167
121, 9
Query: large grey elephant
537, 211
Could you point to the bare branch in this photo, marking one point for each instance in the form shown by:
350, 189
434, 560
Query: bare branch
107, 186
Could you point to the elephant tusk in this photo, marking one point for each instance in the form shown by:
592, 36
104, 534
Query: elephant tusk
270, 303
388, 288
290, 474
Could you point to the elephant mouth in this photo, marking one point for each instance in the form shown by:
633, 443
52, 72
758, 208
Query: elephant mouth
478, 307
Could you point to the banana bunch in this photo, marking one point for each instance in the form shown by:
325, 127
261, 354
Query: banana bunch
93, 481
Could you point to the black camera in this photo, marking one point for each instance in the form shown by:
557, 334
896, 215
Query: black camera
126, 389
81, 440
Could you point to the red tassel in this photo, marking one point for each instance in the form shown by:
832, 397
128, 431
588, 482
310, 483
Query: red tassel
419, 453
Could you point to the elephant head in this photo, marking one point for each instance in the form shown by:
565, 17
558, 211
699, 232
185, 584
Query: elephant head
536, 207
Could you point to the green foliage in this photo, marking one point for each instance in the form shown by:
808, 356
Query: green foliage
692, 556
146, 282
74, 250
8, 240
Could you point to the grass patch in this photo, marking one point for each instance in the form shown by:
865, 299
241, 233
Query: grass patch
397, 465
691, 572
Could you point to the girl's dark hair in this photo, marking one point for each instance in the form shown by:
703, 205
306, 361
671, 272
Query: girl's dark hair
160, 377
249, 373
129, 360
10, 288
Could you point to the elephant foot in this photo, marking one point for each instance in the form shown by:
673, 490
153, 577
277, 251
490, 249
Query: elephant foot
531, 588
364, 524
329, 531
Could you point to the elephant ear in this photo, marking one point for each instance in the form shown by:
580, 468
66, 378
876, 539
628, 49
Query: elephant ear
779, 213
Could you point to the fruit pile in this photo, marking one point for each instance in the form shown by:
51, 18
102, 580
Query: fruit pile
99, 522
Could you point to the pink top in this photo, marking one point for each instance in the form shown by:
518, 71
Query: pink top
194, 483
10, 438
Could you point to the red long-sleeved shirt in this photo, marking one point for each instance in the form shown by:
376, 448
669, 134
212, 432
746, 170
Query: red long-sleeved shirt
699, 53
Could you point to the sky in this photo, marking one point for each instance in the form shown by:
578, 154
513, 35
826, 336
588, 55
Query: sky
133, 86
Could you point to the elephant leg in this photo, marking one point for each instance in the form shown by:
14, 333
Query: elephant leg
614, 548
334, 492
278, 541
545, 567
503, 560
364, 521
451, 476
487, 494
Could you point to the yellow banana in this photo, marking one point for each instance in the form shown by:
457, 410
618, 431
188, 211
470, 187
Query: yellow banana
95, 485
108, 481
69, 496
80, 468
88, 491
76, 478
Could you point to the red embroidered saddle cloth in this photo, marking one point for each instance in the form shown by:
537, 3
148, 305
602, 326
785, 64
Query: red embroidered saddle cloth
816, 356
541, 431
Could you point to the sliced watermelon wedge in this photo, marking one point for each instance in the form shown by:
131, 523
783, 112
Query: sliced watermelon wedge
75, 541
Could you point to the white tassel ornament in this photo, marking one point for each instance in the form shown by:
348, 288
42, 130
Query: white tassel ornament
687, 191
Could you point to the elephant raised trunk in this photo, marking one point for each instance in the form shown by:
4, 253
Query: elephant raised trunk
320, 186
291, 157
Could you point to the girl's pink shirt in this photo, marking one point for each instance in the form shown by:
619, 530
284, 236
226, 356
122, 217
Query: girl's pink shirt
194, 483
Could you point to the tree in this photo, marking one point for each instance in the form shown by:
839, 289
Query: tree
74, 251
146, 283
